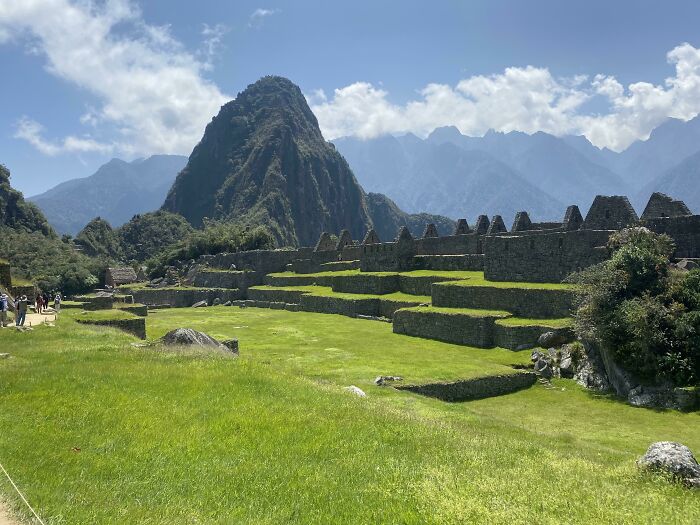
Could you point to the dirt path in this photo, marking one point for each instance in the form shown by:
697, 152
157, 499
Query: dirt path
35, 320
5, 516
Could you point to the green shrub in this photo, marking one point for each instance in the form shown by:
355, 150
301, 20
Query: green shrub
645, 313
216, 237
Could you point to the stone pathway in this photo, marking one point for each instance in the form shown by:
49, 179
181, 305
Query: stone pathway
35, 320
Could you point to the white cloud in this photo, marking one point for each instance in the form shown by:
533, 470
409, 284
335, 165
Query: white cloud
151, 92
257, 16
213, 41
31, 131
525, 99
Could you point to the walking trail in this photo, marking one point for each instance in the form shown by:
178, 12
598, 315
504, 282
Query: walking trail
5, 516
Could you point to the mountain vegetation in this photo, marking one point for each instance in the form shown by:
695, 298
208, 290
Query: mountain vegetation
98, 239
388, 219
34, 250
641, 310
146, 235
117, 191
263, 160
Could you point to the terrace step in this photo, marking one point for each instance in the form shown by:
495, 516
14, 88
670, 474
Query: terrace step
534, 302
476, 388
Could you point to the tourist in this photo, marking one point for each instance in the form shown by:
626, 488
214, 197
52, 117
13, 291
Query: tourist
45, 300
57, 302
21, 308
38, 303
4, 300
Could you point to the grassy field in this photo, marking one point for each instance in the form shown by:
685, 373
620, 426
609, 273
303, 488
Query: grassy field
95, 430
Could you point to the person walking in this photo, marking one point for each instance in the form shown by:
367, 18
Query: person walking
45, 300
57, 302
3, 310
21, 307
38, 303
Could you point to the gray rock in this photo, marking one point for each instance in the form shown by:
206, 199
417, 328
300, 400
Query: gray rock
231, 344
199, 304
227, 303
566, 367
383, 380
232, 267
544, 368
535, 356
355, 390
189, 337
687, 264
216, 302
554, 339
674, 459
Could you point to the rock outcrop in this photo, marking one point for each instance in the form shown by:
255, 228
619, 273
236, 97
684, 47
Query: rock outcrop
674, 459
189, 337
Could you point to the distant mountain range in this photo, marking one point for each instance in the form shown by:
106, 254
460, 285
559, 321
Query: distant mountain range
446, 174
116, 192
460, 176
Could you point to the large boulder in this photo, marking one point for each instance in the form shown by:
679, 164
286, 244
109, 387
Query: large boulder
189, 337
555, 338
674, 459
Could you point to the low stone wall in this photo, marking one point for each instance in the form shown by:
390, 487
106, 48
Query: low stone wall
184, 297
420, 285
366, 284
299, 280
521, 337
137, 309
263, 261
285, 296
335, 305
467, 263
478, 388
225, 279
388, 307
95, 303
340, 266
135, 326
523, 302
458, 328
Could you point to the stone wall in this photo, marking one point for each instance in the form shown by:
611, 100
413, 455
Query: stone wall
366, 284
521, 337
388, 307
467, 263
183, 297
226, 279
95, 303
685, 232
137, 309
284, 296
450, 327
135, 326
477, 388
610, 213
549, 257
335, 305
522, 302
448, 245
420, 285
264, 261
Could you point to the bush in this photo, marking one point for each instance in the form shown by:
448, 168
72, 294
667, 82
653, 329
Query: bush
216, 237
644, 312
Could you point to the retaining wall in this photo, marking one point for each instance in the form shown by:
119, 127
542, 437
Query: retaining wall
335, 305
285, 296
548, 257
469, 262
180, 298
135, 326
521, 337
366, 284
458, 328
523, 302
685, 232
226, 279
478, 388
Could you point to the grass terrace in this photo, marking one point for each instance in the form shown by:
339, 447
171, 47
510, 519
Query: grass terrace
326, 291
563, 322
95, 430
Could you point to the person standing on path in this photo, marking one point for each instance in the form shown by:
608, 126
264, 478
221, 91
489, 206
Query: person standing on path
57, 302
3, 310
38, 302
21, 305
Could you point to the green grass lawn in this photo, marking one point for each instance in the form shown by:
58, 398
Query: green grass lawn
327, 291
95, 430
562, 322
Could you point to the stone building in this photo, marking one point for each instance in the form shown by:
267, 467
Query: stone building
118, 276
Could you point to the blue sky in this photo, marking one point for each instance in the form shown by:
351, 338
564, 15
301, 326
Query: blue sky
83, 83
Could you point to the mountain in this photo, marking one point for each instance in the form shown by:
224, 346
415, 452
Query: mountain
16, 213
681, 182
117, 191
388, 218
263, 160
445, 177
670, 143
570, 174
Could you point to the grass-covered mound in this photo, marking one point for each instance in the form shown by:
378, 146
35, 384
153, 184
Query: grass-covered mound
96, 431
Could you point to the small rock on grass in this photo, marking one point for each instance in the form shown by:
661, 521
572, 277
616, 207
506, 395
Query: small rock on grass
4, 356
355, 390
674, 459
383, 380
199, 304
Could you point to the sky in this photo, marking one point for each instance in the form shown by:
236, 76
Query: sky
85, 81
